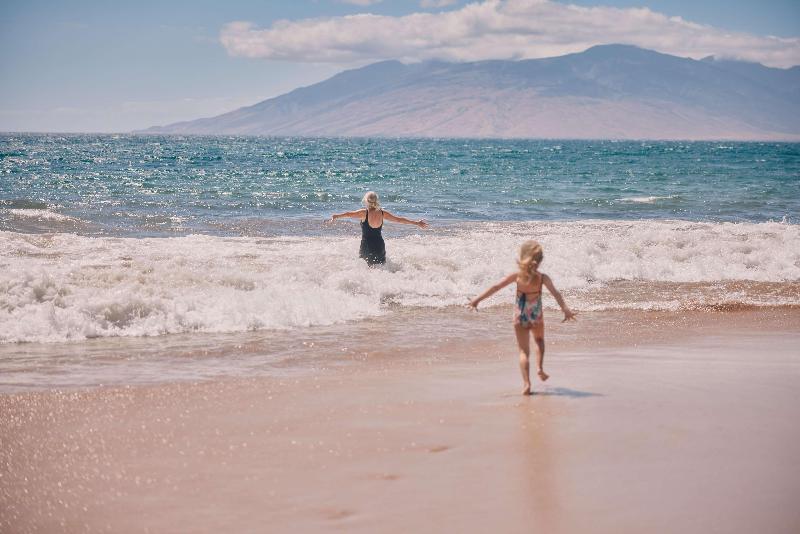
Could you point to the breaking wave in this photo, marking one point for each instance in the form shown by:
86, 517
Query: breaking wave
57, 287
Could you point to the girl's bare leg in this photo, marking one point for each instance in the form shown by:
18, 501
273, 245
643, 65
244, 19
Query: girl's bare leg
540, 359
524, 344
538, 337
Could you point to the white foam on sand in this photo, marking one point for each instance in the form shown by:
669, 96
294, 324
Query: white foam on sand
39, 214
56, 287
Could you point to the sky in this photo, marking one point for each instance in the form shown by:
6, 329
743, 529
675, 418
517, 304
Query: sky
114, 66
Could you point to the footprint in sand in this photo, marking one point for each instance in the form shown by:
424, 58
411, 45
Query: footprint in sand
384, 476
334, 514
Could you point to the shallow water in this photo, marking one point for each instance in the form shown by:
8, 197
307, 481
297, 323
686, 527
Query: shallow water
413, 337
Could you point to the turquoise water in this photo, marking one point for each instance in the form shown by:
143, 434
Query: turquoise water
152, 185
179, 250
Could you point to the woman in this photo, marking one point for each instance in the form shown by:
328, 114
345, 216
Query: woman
372, 247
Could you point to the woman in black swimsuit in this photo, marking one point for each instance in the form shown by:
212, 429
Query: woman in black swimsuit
372, 247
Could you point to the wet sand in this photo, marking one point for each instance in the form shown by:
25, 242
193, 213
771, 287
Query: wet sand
689, 429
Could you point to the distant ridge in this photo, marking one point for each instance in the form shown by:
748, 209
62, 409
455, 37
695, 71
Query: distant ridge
608, 91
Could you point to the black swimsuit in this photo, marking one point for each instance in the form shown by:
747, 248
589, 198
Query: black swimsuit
372, 248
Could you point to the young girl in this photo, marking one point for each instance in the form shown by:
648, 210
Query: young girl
528, 313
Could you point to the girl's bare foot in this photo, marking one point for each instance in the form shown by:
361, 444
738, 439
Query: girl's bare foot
527, 390
542, 375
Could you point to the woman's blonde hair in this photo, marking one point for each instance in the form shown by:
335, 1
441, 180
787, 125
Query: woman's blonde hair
370, 200
530, 257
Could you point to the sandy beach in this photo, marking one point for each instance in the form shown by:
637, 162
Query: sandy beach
686, 427
265, 267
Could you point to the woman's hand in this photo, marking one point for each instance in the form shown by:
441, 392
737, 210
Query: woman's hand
331, 220
473, 305
421, 223
569, 315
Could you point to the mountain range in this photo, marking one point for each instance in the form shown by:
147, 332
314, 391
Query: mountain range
607, 91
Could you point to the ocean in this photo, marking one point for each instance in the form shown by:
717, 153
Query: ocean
151, 242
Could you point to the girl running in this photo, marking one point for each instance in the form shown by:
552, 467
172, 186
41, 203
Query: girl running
528, 313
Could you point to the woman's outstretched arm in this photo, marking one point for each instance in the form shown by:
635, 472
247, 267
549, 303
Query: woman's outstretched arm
402, 220
492, 290
357, 214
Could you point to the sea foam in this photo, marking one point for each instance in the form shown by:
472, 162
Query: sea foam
39, 214
646, 199
57, 287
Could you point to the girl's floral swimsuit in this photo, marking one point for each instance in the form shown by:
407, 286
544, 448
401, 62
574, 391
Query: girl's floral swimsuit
528, 309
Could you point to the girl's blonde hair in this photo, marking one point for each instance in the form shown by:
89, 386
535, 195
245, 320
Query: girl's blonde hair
530, 257
370, 200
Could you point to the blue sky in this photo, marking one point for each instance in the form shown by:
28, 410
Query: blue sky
114, 66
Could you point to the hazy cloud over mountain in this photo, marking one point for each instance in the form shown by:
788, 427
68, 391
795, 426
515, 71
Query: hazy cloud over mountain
496, 29
609, 91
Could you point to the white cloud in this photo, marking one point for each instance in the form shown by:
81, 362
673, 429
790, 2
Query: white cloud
361, 2
427, 4
496, 29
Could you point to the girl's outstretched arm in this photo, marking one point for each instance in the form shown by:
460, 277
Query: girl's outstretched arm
357, 214
395, 218
569, 315
492, 290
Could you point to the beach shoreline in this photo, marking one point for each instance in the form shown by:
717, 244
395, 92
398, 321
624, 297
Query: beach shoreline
687, 426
